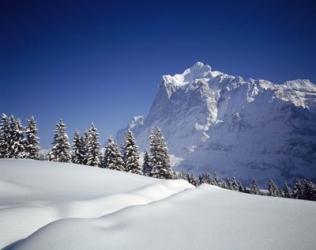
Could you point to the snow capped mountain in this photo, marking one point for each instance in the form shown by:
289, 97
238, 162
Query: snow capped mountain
237, 127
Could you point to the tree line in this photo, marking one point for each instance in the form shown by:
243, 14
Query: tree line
17, 141
301, 189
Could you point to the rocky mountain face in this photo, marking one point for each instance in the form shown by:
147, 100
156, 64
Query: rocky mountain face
250, 129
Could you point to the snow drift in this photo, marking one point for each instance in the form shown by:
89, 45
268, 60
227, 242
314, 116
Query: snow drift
46, 205
238, 127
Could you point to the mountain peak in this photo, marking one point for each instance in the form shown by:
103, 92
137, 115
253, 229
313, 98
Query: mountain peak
197, 70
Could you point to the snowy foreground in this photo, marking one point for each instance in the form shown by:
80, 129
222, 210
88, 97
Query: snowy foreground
46, 205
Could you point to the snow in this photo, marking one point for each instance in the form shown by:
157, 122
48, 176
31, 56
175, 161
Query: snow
35, 193
47, 205
247, 128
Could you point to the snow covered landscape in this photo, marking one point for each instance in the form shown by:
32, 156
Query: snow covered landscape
50, 205
158, 125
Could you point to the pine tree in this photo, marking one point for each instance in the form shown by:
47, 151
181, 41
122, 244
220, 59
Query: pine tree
112, 157
191, 179
93, 147
254, 188
147, 168
160, 161
273, 188
287, 191
131, 154
232, 184
85, 139
4, 136
205, 178
61, 148
16, 139
32, 140
78, 149
240, 187
304, 189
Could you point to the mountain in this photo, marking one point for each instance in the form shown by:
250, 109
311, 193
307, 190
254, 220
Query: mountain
248, 128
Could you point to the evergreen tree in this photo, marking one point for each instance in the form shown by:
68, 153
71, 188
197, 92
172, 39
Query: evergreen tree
160, 161
232, 184
205, 178
93, 147
254, 188
85, 139
16, 139
4, 136
273, 189
78, 149
287, 191
146, 165
112, 157
304, 189
131, 154
191, 179
216, 180
61, 148
240, 187
32, 140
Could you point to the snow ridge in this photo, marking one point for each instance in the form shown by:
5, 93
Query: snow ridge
93, 208
107, 191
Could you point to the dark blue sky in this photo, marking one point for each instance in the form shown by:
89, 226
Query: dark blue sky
101, 61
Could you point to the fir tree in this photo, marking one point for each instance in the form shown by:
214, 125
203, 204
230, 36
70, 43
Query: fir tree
205, 178
112, 157
191, 179
131, 154
273, 188
78, 149
4, 136
61, 148
232, 184
240, 187
32, 140
159, 155
287, 191
304, 189
93, 147
146, 165
16, 140
85, 139
254, 188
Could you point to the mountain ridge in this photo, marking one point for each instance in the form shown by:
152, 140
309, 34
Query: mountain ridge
250, 128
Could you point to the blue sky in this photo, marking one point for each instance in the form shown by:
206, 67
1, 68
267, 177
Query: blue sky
101, 61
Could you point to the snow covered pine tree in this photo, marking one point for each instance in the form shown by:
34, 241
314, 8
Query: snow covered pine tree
16, 139
93, 147
112, 157
32, 140
254, 188
78, 149
146, 165
273, 189
4, 136
131, 154
159, 156
61, 147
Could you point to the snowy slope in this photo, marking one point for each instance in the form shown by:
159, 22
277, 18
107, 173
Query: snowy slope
35, 193
101, 209
237, 127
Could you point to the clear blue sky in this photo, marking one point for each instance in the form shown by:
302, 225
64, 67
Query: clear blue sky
101, 61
